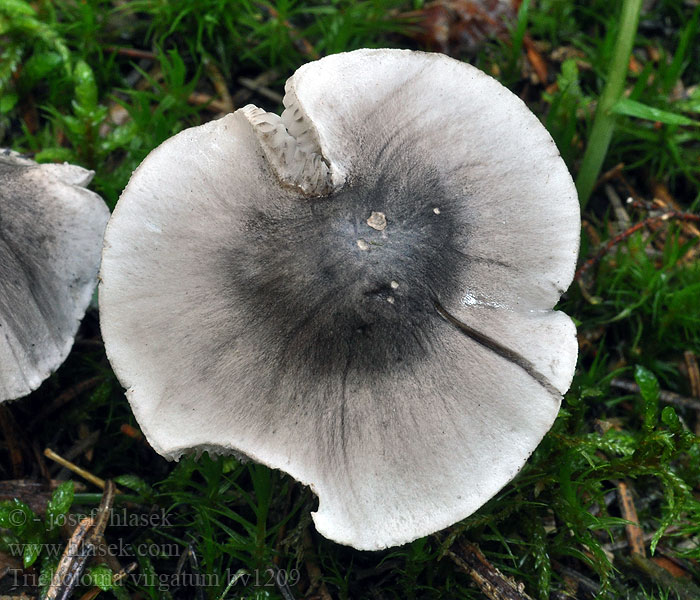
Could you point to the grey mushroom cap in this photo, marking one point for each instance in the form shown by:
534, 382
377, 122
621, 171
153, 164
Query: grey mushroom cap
51, 231
358, 292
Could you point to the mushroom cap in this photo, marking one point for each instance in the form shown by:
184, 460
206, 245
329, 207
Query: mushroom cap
51, 231
358, 292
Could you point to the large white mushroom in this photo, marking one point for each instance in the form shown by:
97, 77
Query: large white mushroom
51, 231
358, 292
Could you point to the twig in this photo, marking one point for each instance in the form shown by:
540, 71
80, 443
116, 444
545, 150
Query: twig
219, 84
622, 544
620, 213
634, 532
34, 493
82, 445
131, 52
8, 426
612, 242
48, 453
65, 397
302, 44
39, 457
91, 594
667, 563
189, 556
312, 568
493, 584
685, 590
613, 173
208, 101
244, 93
582, 581
116, 578
539, 65
663, 197
694, 376
263, 90
283, 527
124, 572
88, 535
281, 582
664, 395
130, 431
72, 563
194, 565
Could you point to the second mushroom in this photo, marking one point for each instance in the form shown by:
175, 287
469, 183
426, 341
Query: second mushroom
358, 292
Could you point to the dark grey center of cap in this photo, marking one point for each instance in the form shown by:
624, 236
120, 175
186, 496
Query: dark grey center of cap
336, 292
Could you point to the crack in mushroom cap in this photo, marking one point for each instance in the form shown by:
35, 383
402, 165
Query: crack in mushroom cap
51, 231
406, 373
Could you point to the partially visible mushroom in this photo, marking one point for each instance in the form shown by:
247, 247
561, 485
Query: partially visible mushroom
358, 292
51, 231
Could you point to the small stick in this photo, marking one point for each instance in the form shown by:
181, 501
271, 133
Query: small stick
81, 546
312, 568
131, 52
634, 532
48, 453
664, 395
219, 84
202, 99
43, 469
244, 93
104, 509
281, 582
539, 64
34, 493
131, 431
82, 445
251, 84
622, 544
587, 584
662, 194
694, 375
620, 213
611, 243
613, 173
66, 397
71, 565
685, 590
492, 583
96, 539
124, 572
8, 426
116, 578
303, 45
91, 594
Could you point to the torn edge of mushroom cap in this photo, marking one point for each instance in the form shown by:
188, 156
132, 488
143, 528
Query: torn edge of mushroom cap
213, 393
502, 160
51, 231
291, 153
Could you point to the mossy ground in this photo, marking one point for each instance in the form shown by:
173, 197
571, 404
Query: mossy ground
101, 83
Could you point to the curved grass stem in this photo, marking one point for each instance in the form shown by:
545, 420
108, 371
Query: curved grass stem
604, 121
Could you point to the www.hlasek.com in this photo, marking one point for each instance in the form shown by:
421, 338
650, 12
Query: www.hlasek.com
279, 578
119, 549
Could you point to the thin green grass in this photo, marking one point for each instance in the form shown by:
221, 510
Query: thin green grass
226, 529
604, 122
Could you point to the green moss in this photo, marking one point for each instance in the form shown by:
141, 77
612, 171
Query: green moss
64, 75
